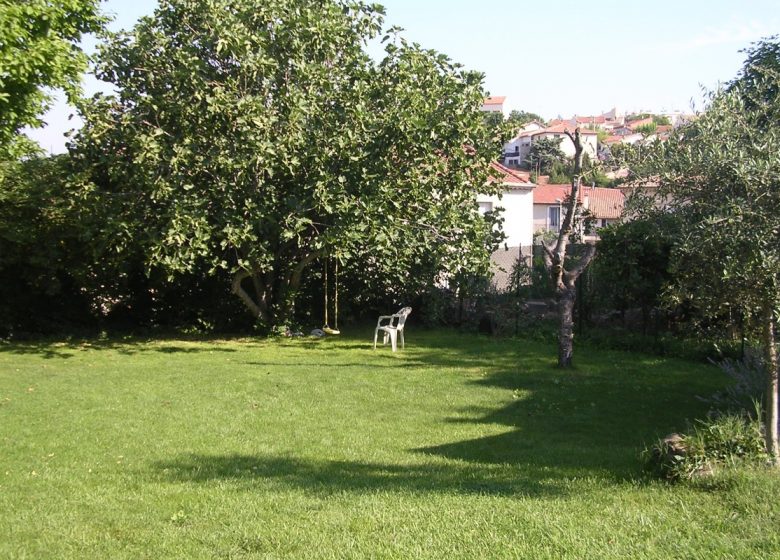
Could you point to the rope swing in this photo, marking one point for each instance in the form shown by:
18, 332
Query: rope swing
326, 328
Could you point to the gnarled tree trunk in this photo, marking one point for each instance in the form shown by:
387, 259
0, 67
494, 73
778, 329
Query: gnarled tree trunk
565, 281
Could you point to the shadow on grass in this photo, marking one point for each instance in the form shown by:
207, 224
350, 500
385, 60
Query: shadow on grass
591, 420
69, 349
330, 477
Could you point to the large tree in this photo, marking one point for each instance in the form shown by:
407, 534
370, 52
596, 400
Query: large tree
258, 137
39, 49
722, 174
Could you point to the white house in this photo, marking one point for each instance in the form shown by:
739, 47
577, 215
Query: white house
517, 149
517, 204
494, 104
588, 138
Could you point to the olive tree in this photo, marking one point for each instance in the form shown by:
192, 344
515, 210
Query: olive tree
722, 174
258, 137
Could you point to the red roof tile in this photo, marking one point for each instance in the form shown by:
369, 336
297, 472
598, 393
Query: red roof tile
605, 203
495, 100
602, 203
509, 177
552, 194
560, 128
591, 120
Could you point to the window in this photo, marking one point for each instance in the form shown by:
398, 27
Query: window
485, 207
554, 217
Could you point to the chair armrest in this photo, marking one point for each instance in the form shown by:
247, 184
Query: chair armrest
383, 317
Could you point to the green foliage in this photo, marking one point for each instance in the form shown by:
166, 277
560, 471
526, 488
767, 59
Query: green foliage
721, 174
39, 49
725, 441
265, 139
647, 129
661, 120
632, 265
544, 153
520, 118
43, 249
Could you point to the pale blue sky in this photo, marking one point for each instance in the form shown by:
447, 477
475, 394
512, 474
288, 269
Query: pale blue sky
560, 57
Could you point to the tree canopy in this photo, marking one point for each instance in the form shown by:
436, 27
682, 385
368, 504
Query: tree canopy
39, 49
258, 137
722, 174
544, 154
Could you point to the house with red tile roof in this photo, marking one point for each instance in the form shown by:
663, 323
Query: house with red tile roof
517, 149
516, 204
494, 104
605, 206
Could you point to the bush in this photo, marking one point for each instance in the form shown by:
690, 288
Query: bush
723, 441
749, 376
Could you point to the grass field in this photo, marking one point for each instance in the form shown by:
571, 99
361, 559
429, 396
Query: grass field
457, 447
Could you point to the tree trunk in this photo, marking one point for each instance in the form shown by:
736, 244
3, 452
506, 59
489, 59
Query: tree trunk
565, 282
254, 308
566, 328
771, 404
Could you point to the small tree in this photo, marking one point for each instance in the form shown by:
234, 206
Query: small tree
520, 118
544, 153
564, 271
722, 173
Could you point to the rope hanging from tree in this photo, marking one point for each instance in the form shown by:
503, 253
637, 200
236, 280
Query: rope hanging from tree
326, 328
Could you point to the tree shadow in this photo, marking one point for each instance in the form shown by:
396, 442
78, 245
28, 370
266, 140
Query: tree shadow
590, 421
68, 349
333, 477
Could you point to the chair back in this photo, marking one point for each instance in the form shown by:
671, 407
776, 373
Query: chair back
402, 315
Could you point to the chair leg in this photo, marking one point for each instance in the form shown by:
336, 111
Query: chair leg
376, 333
402, 338
393, 341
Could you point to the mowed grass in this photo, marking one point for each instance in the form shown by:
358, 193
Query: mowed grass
457, 447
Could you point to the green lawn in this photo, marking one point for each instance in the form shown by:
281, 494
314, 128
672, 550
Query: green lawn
457, 447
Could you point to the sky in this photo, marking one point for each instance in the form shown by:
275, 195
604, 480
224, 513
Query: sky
555, 57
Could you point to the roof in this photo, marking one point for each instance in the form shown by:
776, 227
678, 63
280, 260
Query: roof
605, 203
510, 177
496, 100
553, 194
641, 122
592, 120
602, 203
559, 128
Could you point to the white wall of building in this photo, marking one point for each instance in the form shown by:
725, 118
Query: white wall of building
541, 217
589, 143
518, 213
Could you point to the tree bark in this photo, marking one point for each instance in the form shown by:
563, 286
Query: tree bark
256, 310
771, 404
565, 281
566, 328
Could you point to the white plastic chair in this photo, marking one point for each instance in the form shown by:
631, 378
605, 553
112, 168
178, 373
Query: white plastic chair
394, 327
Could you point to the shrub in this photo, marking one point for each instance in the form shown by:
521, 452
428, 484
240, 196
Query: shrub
727, 440
748, 374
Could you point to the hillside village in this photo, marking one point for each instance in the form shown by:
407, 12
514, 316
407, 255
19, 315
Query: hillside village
532, 202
